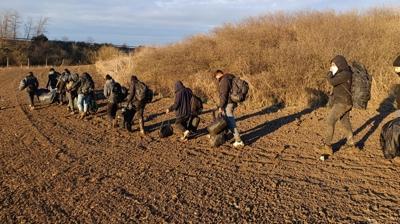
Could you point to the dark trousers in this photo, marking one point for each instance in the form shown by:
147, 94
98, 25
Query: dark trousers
31, 96
185, 123
71, 96
339, 112
182, 123
137, 112
128, 115
62, 96
112, 110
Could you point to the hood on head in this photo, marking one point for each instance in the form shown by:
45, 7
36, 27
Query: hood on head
179, 86
133, 79
75, 77
341, 62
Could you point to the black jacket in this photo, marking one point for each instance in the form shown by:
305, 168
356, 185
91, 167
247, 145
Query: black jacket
52, 80
182, 104
224, 87
341, 81
32, 84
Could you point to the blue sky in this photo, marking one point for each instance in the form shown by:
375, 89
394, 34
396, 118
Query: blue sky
155, 22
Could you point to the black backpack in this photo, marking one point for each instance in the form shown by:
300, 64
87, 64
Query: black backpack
116, 92
196, 105
124, 93
389, 139
361, 86
239, 90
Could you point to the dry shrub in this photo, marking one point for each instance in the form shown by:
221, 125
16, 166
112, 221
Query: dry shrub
283, 56
108, 53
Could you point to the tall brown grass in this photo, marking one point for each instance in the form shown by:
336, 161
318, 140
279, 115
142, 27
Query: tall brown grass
284, 56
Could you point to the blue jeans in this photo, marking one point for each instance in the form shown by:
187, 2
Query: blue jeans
83, 103
230, 118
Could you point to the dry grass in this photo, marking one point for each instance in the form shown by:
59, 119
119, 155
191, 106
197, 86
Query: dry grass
284, 57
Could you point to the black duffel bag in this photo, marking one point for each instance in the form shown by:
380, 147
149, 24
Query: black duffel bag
166, 130
389, 139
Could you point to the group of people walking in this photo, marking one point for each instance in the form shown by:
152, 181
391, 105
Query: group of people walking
188, 107
78, 90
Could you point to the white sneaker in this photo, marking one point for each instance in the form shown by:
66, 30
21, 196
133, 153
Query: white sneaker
238, 144
185, 135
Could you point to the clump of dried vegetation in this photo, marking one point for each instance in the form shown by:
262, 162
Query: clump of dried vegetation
283, 56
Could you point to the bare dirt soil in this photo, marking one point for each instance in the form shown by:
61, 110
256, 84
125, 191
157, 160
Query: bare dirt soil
56, 168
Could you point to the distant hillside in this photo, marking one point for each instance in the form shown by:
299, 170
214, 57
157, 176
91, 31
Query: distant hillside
41, 51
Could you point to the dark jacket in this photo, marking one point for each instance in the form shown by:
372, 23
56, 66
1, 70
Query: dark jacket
62, 81
86, 85
132, 92
131, 100
224, 87
182, 104
32, 84
73, 83
52, 80
341, 81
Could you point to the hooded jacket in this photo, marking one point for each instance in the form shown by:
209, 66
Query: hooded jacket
132, 92
183, 96
224, 87
86, 85
32, 84
341, 81
73, 83
108, 86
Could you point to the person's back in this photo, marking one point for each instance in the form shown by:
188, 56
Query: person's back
72, 87
135, 105
31, 85
182, 108
108, 87
183, 96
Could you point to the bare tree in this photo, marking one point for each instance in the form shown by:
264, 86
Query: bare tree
40, 27
5, 25
28, 28
15, 22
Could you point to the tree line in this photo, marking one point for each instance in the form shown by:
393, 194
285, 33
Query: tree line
23, 43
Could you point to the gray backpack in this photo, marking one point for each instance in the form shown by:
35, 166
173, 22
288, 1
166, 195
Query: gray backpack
239, 90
